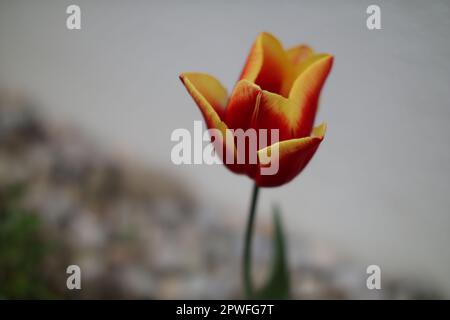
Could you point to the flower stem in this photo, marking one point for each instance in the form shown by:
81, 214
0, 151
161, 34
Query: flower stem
247, 244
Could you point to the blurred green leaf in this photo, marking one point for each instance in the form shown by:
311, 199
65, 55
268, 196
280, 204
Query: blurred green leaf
22, 248
277, 285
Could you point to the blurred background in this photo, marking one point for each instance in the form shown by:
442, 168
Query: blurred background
85, 171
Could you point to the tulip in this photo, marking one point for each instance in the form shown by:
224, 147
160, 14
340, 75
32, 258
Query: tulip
277, 89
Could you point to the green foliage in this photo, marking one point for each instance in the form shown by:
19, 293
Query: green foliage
22, 249
277, 285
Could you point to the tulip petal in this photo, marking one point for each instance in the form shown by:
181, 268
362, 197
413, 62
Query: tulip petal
241, 106
306, 89
202, 86
296, 56
210, 97
277, 112
266, 63
293, 156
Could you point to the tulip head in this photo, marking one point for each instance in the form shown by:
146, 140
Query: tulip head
278, 89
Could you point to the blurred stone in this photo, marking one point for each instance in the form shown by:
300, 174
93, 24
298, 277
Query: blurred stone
137, 232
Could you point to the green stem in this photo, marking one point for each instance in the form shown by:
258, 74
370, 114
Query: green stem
247, 244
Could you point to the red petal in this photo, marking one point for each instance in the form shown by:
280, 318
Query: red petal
294, 155
242, 105
266, 63
306, 89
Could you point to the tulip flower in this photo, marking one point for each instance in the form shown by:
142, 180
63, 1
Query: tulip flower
277, 89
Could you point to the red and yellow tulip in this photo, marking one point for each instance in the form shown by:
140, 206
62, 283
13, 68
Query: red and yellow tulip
277, 89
